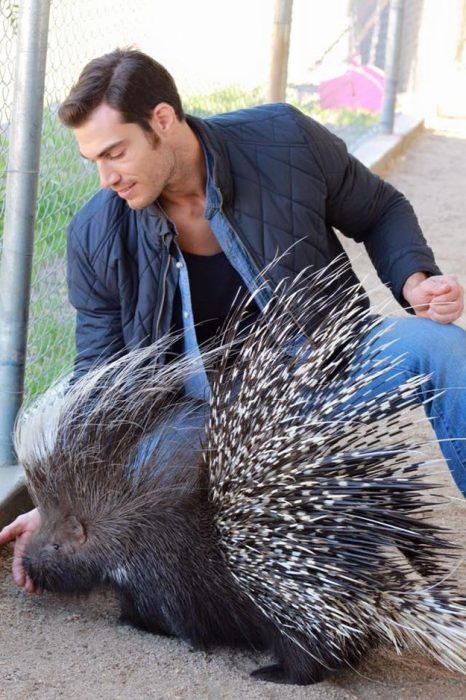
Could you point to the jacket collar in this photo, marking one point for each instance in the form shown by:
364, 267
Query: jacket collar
214, 147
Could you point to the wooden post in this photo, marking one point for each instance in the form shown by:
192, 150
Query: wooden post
280, 50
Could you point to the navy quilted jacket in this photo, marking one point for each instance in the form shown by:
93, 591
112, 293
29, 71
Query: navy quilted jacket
283, 178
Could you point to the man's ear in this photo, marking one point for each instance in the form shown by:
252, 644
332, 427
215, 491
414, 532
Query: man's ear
75, 530
163, 118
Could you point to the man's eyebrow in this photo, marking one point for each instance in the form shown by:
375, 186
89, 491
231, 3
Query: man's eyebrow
103, 153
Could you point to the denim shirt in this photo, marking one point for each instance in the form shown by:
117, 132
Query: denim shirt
197, 384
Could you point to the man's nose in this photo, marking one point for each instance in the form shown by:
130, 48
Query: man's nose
107, 174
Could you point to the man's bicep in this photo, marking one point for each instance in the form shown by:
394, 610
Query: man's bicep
354, 196
357, 199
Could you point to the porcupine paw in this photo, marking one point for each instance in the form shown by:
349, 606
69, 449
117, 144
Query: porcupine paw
276, 673
130, 615
148, 626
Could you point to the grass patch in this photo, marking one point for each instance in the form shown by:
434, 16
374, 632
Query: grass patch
223, 100
234, 97
50, 353
66, 182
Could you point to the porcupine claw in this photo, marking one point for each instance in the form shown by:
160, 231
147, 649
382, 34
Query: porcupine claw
276, 673
130, 615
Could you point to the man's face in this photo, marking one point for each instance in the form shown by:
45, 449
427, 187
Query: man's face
134, 163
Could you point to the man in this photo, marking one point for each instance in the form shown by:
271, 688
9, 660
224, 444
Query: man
193, 209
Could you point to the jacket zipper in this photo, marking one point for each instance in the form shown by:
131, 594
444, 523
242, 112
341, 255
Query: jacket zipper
162, 301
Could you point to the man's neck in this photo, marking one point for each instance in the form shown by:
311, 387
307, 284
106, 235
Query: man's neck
187, 187
183, 200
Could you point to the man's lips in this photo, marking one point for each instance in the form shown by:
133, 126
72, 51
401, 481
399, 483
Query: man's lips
124, 191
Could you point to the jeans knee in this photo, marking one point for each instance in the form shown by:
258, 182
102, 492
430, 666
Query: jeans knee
427, 346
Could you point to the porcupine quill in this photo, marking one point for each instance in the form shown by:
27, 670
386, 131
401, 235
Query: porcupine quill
282, 513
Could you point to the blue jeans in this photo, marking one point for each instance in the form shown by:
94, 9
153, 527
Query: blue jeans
429, 348
177, 440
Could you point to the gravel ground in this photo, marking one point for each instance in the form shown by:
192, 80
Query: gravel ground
54, 648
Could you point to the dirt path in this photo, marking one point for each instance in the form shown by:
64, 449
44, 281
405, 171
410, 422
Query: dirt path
52, 648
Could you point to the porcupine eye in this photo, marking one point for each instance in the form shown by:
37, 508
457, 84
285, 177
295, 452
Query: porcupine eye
56, 546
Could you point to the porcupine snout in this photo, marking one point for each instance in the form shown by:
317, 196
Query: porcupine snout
52, 558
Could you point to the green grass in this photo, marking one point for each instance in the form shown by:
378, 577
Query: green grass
66, 183
234, 97
50, 354
337, 117
224, 100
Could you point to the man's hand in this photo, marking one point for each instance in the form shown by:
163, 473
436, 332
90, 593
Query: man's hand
21, 530
440, 297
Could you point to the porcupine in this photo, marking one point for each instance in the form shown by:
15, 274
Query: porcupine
281, 513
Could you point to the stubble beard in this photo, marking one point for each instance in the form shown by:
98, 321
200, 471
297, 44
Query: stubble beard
155, 144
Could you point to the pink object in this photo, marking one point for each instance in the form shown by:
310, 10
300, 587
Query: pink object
360, 87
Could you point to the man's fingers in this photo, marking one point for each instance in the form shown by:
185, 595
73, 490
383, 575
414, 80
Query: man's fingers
19, 575
439, 298
17, 568
29, 586
21, 530
12, 531
444, 314
444, 289
449, 294
440, 311
447, 307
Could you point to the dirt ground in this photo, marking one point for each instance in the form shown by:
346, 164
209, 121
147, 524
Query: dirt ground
53, 648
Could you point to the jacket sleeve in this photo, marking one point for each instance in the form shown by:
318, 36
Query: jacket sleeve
366, 208
98, 314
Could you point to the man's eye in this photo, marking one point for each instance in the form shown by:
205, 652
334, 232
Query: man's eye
114, 156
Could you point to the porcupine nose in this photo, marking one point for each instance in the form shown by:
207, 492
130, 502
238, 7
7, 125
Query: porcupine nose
42, 572
34, 570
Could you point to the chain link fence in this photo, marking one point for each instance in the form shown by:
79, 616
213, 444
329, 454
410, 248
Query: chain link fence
8, 32
219, 55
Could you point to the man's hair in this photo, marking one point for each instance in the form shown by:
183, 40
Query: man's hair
125, 79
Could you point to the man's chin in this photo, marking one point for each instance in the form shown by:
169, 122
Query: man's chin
136, 203
139, 200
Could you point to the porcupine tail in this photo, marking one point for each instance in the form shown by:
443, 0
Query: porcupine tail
431, 620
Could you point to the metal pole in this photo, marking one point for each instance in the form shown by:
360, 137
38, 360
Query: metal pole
392, 54
280, 50
20, 204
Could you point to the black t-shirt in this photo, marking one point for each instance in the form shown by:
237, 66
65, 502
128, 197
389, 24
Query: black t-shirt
216, 287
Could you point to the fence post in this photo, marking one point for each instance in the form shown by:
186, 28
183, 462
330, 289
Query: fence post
20, 204
392, 54
280, 50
